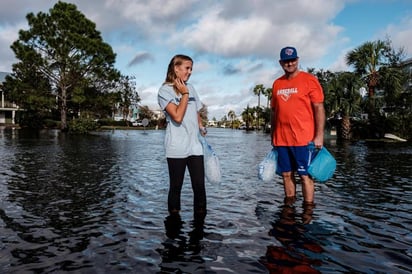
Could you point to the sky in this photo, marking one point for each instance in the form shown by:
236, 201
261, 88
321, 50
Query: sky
235, 44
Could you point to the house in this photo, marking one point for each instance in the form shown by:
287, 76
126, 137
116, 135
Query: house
211, 123
8, 109
407, 65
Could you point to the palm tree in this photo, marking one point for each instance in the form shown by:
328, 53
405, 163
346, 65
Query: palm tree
204, 114
258, 90
378, 63
325, 78
247, 116
344, 99
266, 112
372, 60
268, 93
367, 60
392, 83
232, 115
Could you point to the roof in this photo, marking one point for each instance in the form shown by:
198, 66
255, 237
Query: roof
3, 76
406, 62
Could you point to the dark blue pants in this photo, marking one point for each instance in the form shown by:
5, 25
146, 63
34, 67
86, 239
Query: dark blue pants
177, 168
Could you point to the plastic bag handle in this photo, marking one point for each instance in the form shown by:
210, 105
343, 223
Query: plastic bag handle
312, 150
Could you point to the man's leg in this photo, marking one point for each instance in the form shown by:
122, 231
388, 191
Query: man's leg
308, 189
289, 184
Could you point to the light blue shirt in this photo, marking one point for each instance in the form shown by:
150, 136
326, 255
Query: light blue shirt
181, 140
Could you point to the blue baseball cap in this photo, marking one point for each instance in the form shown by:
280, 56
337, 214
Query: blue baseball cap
288, 53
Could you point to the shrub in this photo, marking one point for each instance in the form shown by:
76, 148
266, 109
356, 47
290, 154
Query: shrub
82, 125
49, 123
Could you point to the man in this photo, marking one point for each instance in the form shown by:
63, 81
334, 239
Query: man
298, 117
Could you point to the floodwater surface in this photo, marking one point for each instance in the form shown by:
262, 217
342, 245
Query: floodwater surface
97, 204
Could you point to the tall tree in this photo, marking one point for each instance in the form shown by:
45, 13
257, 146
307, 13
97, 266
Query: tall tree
129, 98
232, 116
325, 78
268, 93
344, 99
145, 112
247, 116
367, 60
204, 113
379, 64
32, 92
371, 61
65, 48
258, 90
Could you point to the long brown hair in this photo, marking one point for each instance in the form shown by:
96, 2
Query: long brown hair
177, 60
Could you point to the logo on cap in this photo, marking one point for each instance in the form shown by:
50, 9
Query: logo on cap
288, 53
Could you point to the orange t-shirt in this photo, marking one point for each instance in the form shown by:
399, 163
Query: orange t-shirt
292, 102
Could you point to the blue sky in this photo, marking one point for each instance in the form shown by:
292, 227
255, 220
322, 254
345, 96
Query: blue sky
235, 44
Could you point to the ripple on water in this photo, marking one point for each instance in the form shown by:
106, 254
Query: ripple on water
97, 204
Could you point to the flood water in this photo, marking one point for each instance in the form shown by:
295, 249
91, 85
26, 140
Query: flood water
97, 204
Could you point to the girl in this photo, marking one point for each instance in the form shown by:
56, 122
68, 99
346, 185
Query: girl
181, 104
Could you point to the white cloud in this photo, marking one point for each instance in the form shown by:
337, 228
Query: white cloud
340, 63
213, 34
401, 34
8, 34
242, 37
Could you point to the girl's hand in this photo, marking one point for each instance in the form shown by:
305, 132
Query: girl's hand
181, 86
203, 131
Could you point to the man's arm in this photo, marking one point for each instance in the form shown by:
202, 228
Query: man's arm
319, 113
272, 124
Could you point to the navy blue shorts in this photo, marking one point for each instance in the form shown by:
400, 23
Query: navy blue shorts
293, 158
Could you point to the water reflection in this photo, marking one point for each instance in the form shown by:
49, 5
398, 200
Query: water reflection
98, 204
59, 195
296, 249
179, 249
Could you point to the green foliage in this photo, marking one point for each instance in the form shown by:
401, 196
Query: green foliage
65, 68
377, 66
360, 129
377, 63
145, 112
391, 82
29, 89
399, 124
32, 119
37, 119
203, 114
59, 56
82, 125
105, 122
50, 123
124, 97
268, 94
258, 90
344, 93
266, 116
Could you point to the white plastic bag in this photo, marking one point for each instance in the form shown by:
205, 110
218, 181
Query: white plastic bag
267, 168
211, 161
